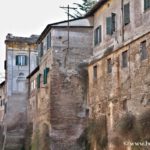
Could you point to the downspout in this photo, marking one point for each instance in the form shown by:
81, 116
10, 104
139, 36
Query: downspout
122, 11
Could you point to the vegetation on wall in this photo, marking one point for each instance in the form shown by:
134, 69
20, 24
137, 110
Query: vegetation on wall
134, 128
94, 135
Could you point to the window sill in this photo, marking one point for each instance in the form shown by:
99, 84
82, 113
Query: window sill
146, 10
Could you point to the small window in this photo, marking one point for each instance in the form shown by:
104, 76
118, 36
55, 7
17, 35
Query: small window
109, 65
41, 49
21, 60
48, 41
126, 14
124, 59
111, 24
97, 35
143, 50
146, 4
38, 80
46, 70
95, 72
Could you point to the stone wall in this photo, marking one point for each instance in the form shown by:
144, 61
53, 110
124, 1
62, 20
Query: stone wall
123, 91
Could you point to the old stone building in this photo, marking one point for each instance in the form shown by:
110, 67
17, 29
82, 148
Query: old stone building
2, 110
21, 59
118, 91
60, 85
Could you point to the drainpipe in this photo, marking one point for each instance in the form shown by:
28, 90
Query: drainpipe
122, 11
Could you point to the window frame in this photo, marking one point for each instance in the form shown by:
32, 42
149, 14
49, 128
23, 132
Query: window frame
126, 16
146, 7
95, 72
21, 60
125, 59
143, 50
98, 35
109, 65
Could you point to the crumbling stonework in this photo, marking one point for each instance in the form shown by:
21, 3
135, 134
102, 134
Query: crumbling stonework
124, 90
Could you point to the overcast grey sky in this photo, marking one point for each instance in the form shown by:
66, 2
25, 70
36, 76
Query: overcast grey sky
27, 17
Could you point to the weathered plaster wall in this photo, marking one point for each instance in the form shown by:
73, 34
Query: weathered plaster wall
125, 90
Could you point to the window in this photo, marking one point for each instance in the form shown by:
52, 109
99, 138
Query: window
109, 65
95, 72
143, 50
38, 80
46, 70
21, 60
126, 14
124, 59
97, 35
146, 4
32, 85
48, 41
41, 49
111, 24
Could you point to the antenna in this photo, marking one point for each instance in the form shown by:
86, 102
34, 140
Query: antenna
68, 46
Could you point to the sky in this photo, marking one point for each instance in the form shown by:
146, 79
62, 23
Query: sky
27, 17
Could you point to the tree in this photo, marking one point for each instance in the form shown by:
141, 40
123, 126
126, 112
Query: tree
82, 8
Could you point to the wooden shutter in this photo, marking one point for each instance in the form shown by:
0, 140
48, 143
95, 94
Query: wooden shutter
109, 25
46, 70
146, 4
113, 15
95, 38
17, 60
38, 80
100, 34
26, 58
126, 14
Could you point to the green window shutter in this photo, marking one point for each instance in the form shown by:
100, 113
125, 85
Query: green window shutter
113, 15
17, 61
38, 80
100, 34
109, 25
46, 70
126, 14
41, 50
146, 4
26, 58
95, 38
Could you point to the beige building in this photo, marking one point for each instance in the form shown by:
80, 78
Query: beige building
60, 85
118, 91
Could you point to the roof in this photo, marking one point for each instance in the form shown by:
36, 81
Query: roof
48, 27
2, 83
33, 72
31, 40
99, 4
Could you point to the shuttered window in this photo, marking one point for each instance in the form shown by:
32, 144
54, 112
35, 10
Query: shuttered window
97, 35
21, 60
46, 70
126, 14
109, 65
146, 4
48, 41
41, 49
111, 24
143, 50
95, 72
38, 80
124, 59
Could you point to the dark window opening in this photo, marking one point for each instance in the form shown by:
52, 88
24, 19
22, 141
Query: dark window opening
126, 14
124, 59
109, 65
143, 50
97, 35
95, 72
